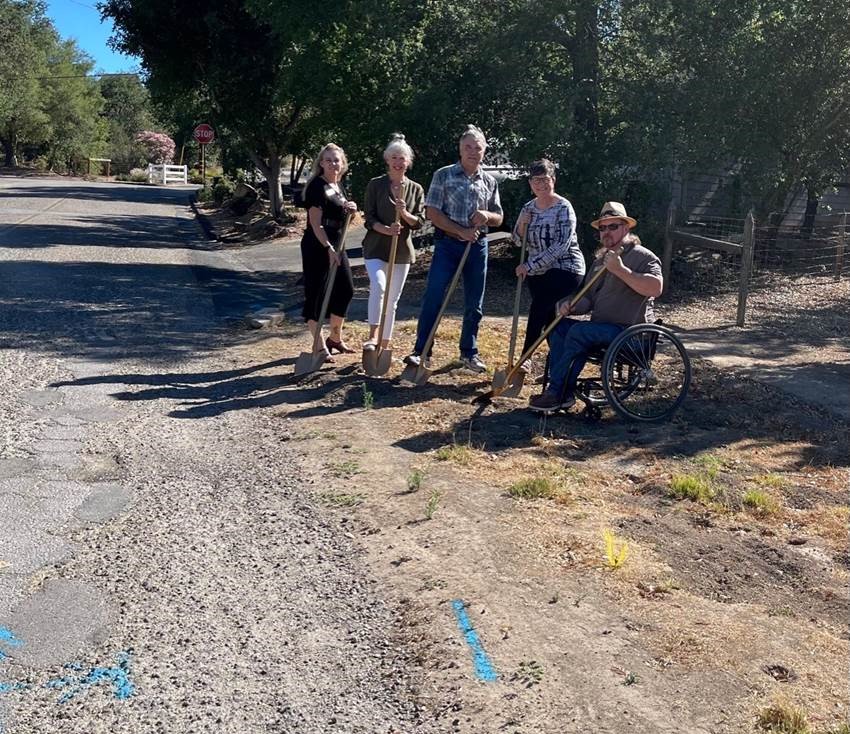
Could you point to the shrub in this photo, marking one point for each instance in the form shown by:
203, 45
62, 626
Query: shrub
781, 719
139, 175
158, 146
222, 189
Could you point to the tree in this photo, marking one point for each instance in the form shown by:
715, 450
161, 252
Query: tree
127, 111
24, 37
273, 77
73, 103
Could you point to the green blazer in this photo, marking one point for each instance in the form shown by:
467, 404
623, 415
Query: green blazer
379, 209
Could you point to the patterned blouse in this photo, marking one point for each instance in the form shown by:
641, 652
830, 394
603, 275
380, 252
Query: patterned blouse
552, 240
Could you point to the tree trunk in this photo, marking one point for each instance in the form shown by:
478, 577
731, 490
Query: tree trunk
10, 142
271, 170
585, 58
812, 201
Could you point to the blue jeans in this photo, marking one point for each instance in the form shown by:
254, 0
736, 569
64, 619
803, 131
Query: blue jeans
569, 345
447, 255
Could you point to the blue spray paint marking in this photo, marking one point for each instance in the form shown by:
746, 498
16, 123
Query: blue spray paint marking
7, 637
483, 667
118, 676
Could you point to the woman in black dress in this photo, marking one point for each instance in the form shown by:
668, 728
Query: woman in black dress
327, 208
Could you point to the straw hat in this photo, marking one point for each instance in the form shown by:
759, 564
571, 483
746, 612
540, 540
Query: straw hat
613, 210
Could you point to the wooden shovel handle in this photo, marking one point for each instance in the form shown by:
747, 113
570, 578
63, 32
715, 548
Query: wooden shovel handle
317, 341
557, 320
390, 266
430, 342
517, 298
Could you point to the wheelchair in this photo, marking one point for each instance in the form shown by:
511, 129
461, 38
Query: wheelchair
643, 375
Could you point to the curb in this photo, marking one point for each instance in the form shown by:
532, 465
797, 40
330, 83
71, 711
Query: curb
202, 220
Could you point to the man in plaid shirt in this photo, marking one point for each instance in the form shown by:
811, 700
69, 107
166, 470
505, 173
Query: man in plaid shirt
462, 202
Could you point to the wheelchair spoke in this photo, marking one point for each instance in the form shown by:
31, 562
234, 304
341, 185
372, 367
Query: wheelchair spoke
658, 373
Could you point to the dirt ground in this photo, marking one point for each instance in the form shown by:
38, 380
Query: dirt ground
715, 613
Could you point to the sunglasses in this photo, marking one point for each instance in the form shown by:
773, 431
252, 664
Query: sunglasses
609, 227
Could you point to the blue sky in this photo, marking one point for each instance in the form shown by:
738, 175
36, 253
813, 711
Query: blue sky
79, 19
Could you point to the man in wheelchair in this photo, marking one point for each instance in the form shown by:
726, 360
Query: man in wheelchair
623, 296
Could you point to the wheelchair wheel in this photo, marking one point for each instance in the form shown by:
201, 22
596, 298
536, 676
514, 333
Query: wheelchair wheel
646, 373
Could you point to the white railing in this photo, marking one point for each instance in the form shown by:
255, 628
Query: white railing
160, 173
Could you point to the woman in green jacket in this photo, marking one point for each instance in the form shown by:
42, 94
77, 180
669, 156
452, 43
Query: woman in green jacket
388, 196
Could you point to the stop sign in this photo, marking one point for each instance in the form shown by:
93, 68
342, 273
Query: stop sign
204, 134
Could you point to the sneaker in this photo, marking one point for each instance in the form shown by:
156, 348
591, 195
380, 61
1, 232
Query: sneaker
413, 360
549, 402
474, 363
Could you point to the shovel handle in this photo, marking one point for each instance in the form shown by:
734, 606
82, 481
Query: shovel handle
433, 335
323, 314
390, 266
517, 297
550, 328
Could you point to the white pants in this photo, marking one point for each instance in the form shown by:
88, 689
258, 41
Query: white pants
377, 270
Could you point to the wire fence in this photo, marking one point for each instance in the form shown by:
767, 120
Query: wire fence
708, 255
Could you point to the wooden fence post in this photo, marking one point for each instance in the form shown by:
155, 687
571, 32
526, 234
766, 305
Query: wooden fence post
839, 248
667, 255
747, 247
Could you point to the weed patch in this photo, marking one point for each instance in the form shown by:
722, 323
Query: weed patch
529, 673
345, 469
368, 398
455, 453
340, 499
616, 551
760, 502
433, 501
534, 488
414, 481
692, 487
782, 719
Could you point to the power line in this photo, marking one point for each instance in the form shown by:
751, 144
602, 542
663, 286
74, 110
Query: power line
77, 76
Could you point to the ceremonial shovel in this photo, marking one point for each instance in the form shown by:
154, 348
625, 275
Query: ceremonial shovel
377, 361
497, 391
420, 375
311, 361
500, 377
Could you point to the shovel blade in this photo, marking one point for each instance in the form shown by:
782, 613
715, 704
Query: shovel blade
385, 361
503, 388
416, 375
308, 362
370, 362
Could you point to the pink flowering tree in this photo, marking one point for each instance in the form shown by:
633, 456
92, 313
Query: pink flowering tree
158, 146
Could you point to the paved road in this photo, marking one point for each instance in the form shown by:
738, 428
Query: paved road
161, 568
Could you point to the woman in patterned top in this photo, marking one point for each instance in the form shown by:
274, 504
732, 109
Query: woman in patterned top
554, 266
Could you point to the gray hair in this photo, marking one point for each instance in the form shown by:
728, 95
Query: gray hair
398, 144
473, 132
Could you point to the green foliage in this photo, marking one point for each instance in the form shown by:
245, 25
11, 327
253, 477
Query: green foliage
368, 398
529, 673
433, 501
457, 453
341, 499
534, 488
222, 189
760, 501
692, 487
414, 481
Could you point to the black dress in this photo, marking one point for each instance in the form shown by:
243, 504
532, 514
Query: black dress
314, 257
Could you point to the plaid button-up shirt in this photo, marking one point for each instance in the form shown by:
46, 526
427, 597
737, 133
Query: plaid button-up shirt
459, 196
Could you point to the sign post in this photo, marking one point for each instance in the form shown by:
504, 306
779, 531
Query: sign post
204, 134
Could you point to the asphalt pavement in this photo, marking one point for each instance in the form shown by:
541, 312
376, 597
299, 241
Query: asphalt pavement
162, 567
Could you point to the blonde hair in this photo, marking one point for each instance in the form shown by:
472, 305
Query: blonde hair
473, 132
398, 144
316, 168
